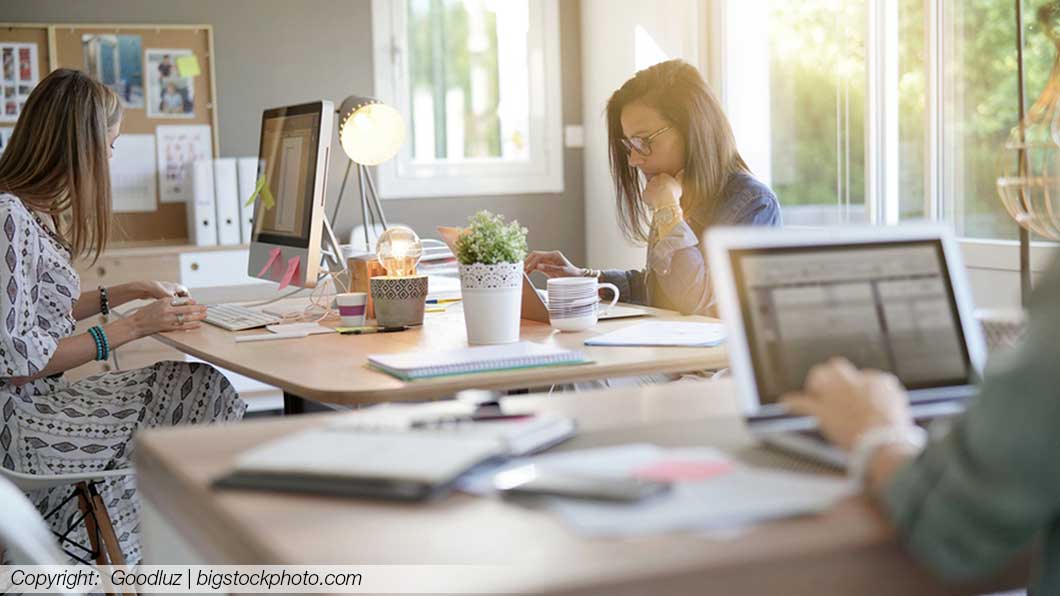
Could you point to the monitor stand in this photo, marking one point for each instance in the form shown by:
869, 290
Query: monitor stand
332, 250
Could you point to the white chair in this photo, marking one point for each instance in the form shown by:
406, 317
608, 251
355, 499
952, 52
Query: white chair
23, 532
102, 538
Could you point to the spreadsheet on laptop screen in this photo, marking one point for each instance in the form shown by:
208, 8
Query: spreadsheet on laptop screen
888, 306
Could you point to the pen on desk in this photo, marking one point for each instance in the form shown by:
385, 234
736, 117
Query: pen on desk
442, 300
368, 329
468, 418
268, 336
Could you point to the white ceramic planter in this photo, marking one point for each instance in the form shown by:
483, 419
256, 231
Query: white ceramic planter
492, 296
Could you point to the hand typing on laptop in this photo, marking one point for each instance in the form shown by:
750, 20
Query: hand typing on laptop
848, 402
865, 412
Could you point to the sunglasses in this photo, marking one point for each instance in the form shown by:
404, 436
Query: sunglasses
642, 145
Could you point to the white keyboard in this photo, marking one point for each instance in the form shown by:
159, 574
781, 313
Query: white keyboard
234, 317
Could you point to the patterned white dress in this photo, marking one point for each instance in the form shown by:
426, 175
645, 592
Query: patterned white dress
51, 426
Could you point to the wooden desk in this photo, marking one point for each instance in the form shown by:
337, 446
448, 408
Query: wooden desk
332, 368
849, 550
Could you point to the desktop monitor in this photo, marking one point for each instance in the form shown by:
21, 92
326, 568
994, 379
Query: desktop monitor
293, 157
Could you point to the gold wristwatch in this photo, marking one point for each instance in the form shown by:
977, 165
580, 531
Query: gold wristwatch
664, 219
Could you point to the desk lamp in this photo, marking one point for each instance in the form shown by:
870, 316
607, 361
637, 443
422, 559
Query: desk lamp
401, 295
370, 132
1028, 183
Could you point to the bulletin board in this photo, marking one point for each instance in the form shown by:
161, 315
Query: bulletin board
157, 94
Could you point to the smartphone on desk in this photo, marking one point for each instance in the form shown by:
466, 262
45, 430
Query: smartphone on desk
532, 480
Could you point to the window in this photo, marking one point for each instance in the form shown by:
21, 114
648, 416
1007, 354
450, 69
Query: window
882, 110
478, 82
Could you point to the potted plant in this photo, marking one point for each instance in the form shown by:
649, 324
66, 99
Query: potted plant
491, 253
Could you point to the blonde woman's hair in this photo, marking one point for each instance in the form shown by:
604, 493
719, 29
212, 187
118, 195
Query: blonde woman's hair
677, 91
56, 159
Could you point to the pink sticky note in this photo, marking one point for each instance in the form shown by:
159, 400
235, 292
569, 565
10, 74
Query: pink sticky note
274, 254
678, 470
292, 269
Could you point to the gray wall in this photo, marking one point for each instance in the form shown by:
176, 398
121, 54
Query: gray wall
277, 52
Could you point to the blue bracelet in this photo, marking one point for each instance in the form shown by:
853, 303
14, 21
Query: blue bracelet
95, 340
102, 346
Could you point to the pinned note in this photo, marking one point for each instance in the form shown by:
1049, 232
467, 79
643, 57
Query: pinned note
188, 66
292, 269
274, 255
260, 187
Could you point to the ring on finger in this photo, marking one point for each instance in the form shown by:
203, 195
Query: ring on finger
180, 319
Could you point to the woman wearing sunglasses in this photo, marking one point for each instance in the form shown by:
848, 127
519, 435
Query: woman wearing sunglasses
676, 172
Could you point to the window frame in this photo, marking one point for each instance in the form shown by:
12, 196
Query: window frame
401, 178
882, 175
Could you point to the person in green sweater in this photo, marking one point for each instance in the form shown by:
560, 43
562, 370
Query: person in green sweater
971, 500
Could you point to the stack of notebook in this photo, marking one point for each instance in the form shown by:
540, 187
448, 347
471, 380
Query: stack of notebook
401, 452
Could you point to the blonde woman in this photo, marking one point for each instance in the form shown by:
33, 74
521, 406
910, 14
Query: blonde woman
54, 207
665, 127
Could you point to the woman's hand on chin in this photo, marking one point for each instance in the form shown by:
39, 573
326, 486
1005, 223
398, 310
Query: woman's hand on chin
662, 190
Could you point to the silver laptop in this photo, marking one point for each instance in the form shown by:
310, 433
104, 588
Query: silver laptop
893, 299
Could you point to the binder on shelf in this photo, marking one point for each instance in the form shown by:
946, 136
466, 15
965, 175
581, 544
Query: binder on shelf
226, 197
202, 218
248, 177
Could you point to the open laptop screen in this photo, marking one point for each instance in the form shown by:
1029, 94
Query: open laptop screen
887, 305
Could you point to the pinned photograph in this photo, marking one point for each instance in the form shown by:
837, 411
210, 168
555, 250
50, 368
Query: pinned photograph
169, 95
25, 65
116, 61
9, 64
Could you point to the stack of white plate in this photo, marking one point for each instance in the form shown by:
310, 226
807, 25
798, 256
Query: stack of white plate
572, 298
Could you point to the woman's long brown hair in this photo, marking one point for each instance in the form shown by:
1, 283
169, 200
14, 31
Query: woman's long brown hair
56, 160
677, 91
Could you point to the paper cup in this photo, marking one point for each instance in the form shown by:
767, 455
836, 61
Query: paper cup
352, 308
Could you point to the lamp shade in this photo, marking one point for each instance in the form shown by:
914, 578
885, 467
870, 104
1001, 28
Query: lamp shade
370, 131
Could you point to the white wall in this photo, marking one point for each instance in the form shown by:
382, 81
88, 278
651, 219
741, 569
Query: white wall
618, 37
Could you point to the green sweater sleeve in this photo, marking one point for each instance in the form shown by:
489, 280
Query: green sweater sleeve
977, 496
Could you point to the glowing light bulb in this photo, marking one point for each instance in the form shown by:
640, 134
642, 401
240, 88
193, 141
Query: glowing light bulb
399, 250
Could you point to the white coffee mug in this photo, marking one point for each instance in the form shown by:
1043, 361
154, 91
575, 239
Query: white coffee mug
352, 308
587, 309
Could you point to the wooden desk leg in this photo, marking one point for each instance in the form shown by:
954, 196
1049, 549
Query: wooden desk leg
292, 404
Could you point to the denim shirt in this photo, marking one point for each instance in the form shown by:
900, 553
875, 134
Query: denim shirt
676, 276
991, 486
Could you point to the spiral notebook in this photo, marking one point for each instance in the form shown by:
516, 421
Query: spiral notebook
410, 366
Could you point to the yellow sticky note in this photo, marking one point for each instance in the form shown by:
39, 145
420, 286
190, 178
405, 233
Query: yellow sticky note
260, 184
188, 66
266, 197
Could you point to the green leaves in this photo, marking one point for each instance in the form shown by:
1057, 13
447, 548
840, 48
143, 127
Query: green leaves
489, 240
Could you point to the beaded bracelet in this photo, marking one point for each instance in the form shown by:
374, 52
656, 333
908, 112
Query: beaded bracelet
104, 301
102, 346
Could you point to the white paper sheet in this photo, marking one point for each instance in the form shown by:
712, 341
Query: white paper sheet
663, 333
731, 500
178, 148
5, 136
134, 174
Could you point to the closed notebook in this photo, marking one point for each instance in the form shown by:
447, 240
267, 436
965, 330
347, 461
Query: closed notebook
516, 436
381, 464
423, 365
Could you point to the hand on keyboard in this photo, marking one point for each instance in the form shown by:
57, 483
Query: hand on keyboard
163, 315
